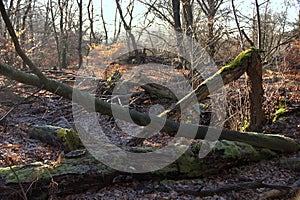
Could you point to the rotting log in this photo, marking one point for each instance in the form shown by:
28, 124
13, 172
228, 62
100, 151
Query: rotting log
84, 173
92, 104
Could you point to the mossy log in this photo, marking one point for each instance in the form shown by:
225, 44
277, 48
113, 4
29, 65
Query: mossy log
223, 76
92, 104
84, 173
56, 136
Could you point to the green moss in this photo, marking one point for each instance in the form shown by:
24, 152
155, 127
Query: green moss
281, 109
267, 153
237, 61
229, 148
38, 170
69, 138
166, 170
245, 126
235, 150
187, 164
279, 113
25, 173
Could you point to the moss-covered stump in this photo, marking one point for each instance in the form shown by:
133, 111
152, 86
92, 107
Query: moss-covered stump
85, 173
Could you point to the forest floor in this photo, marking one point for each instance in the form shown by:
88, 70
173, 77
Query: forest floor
45, 108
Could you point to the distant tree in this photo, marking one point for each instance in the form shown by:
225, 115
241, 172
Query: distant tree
104, 24
63, 9
80, 34
128, 27
210, 8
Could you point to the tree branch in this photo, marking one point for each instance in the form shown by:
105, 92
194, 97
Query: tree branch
18, 48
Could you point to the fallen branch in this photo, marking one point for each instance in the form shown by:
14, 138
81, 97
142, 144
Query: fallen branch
237, 187
92, 104
225, 75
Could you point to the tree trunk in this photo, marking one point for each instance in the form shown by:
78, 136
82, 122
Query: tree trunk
254, 76
79, 2
177, 25
188, 17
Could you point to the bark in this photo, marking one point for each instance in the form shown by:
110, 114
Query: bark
254, 76
24, 21
90, 10
90, 103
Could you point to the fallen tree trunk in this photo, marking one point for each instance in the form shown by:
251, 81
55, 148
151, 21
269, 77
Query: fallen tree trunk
90, 103
225, 75
84, 173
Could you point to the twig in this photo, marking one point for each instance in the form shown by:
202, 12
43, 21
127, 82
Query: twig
19, 182
247, 38
237, 186
238, 25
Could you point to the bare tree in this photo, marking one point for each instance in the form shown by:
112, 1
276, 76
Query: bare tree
238, 25
117, 27
210, 8
56, 36
90, 10
80, 7
24, 18
104, 24
63, 5
188, 17
128, 28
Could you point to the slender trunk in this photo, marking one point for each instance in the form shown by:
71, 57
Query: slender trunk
63, 51
238, 25
79, 2
259, 39
211, 43
22, 36
177, 25
55, 35
104, 24
188, 17
90, 10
